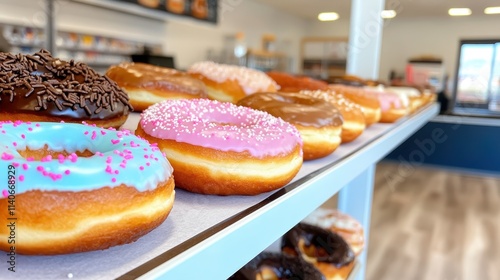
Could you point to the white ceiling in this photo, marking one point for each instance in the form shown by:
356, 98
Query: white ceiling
309, 9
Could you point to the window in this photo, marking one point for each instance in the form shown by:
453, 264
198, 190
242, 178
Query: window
477, 80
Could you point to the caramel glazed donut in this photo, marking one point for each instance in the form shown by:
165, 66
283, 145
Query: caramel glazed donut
354, 120
326, 250
224, 149
79, 188
42, 88
319, 122
369, 104
148, 84
269, 265
231, 83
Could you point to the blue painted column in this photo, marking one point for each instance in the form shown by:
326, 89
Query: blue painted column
365, 38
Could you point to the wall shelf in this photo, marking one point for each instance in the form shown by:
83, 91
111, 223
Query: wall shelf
96, 50
210, 237
323, 57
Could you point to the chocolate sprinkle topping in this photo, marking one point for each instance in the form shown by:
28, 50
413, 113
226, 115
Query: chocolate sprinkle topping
43, 83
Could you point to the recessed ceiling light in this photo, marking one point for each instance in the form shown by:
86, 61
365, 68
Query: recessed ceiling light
388, 14
492, 10
331, 16
459, 12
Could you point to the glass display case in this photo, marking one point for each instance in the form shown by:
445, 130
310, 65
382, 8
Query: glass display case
476, 88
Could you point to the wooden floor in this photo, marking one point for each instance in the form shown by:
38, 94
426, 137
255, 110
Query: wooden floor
429, 224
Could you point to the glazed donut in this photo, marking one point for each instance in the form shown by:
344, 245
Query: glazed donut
231, 83
349, 80
369, 104
149, 3
176, 6
342, 224
417, 99
326, 250
199, 9
412, 96
148, 84
318, 122
223, 149
354, 120
290, 83
355, 81
79, 188
42, 88
269, 265
393, 106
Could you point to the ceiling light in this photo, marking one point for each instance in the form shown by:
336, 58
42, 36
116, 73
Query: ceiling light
328, 16
492, 10
459, 12
388, 13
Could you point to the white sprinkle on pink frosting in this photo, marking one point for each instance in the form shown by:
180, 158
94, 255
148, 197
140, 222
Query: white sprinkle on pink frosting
220, 126
250, 80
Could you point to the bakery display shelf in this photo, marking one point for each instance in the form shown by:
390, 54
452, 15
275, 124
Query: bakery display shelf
210, 237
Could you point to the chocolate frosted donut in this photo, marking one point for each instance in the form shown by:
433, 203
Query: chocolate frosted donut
277, 266
40, 87
326, 250
318, 122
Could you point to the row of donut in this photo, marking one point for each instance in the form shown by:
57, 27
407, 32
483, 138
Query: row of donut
302, 101
323, 246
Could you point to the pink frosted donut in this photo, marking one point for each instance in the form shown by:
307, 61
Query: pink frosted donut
224, 149
393, 107
230, 82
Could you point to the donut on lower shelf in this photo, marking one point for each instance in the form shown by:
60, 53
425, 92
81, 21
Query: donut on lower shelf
267, 266
231, 83
327, 251
342, 224
42, 88
148, 84
319, 123
354, 120
79, 188
223, 149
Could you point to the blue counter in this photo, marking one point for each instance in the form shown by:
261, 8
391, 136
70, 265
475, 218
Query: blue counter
463, 143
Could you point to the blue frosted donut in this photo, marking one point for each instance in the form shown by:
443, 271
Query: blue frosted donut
66, 176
